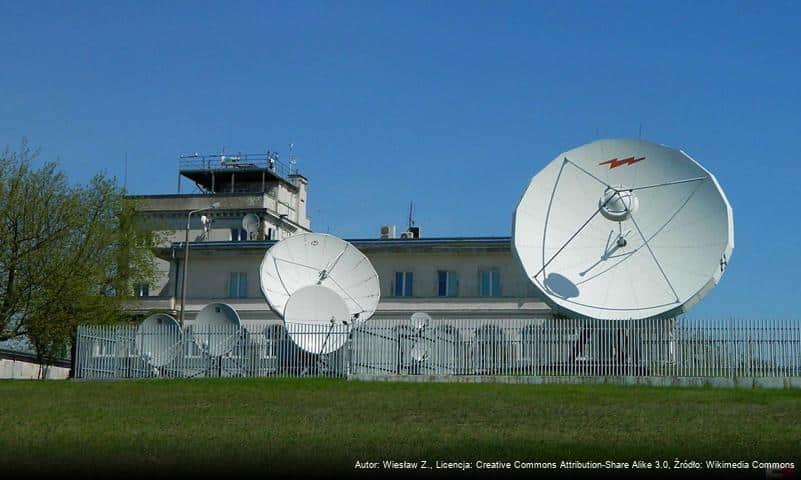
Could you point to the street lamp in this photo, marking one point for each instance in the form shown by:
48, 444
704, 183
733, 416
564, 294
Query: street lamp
186, 257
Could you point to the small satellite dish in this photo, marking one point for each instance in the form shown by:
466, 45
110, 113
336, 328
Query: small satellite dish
317, 319
157, 339
320, 259
250, 223
623, 229
216, 329
420, 351
205, 220
421, 320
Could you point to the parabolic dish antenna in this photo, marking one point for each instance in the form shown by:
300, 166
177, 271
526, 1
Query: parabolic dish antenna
420, 350
157, 339
250, 223
623, 229
216, 329
320, 259
420, 320
317, 319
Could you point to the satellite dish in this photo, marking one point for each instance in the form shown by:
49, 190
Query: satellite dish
325, 260
206, 222
157, 339
420, 350
623, 229
250, 223
216, 329
317, 319
421, 320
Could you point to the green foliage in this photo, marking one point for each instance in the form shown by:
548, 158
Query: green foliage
69, 254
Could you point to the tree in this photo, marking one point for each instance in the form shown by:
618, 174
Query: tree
69, 254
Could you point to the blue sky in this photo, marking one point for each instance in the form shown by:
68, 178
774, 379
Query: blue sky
454, 105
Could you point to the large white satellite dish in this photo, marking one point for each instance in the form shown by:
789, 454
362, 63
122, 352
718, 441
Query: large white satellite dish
623, 229
317, 319
320, 259
157, 339
216, 329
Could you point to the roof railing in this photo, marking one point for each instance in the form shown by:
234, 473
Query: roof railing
236, 161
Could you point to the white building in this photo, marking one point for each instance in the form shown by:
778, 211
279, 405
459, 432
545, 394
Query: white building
446, 277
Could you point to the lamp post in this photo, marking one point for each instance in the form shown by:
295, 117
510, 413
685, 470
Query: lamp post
186, 258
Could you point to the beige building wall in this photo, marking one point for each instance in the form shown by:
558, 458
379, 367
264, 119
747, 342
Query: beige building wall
211, 266
467, 267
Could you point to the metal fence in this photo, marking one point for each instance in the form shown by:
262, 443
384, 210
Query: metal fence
656, 347
226, 351
512, 347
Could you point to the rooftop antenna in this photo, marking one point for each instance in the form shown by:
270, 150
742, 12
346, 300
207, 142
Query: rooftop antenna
125, 174
205, 220
411, 215
292, 159
251, 223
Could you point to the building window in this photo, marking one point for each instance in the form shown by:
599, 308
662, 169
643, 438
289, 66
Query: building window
143, 290
403, 284
239, 235
238, 285
490, 283
447, 284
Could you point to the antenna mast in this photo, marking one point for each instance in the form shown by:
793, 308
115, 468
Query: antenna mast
125, 175
292, 160
411, 215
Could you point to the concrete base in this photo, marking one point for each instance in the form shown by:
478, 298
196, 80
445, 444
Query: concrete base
717, 382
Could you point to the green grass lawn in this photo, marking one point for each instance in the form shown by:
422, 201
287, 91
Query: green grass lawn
326, 425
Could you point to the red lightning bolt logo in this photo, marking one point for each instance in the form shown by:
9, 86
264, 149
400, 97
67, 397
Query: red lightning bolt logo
614, 163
